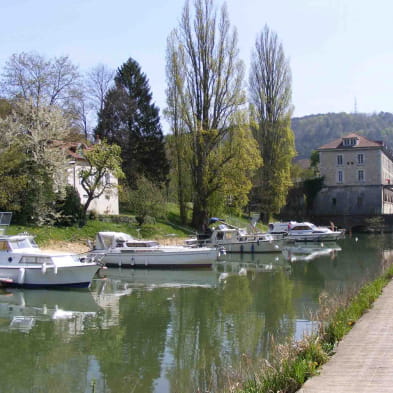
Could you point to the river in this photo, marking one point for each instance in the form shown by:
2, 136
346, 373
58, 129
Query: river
175, 331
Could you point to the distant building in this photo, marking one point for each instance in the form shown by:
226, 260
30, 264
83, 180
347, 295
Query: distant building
358, 178
107, 203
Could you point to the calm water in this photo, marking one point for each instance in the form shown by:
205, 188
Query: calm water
173, 331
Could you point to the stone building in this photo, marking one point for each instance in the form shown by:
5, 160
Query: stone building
358, 178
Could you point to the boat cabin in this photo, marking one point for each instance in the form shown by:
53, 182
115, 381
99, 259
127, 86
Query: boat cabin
107, 240
18, 242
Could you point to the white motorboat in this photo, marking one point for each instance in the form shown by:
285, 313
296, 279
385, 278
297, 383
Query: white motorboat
23, 264
305, 231
118, 249
236, 240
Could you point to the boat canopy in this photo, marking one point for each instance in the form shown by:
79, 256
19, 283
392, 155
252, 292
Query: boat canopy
105, 240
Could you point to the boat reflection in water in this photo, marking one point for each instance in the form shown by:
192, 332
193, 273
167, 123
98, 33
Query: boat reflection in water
21, 309
310, 251
156, 278
257, 263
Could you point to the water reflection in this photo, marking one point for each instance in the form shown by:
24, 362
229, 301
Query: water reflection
21, 308
174, 330
309, 251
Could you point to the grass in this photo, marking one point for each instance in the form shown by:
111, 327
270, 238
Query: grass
162, 229
292, 364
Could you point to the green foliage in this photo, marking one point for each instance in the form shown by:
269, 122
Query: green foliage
205, 93
311, 188
14, 179
231, 167
70, 208
5, 108
146, 200
270, 98
104, 162
274, 178
130, 120
31, 130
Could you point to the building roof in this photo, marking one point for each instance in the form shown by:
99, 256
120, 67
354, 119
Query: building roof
362, 142
73, 150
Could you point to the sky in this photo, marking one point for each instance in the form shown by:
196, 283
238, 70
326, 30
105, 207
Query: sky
340, 51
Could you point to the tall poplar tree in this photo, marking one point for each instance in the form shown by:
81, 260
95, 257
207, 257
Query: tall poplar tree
130, 119
207, 77
270, 98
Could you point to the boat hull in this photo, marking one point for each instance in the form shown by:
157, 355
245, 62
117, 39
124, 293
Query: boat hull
79, 276
252, 247
190, 258
314, 237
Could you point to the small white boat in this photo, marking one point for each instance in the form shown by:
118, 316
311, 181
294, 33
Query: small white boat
23, 264
305, 231
236, 240
118, 249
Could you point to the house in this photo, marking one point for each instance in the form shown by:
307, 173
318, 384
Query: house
358, 177
108, 202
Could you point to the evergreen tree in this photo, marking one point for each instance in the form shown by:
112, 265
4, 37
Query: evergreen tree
131, 120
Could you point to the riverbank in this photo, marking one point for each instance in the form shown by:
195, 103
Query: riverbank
343, 356
363, 361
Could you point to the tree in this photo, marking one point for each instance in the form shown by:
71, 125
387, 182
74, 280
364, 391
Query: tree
43, 82
210, 94
33, 132
179, 144
146, 200
270, 98
13, 178
99, 80
103, 162
132, 121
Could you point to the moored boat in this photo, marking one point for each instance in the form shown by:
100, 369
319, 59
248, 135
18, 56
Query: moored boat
23, 264
236, 240
118, 249
305, 231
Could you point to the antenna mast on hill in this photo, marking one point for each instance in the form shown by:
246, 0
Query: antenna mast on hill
355, 106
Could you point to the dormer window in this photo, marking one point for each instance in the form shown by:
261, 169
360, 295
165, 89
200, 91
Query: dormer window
350, 141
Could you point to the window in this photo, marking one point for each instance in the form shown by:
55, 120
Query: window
360, 159
340, 177
350, 141
361, 175
334, 201
339, 159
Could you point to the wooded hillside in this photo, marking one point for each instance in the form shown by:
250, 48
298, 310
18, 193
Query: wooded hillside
315, 130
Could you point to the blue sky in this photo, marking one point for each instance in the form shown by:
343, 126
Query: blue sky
340, 51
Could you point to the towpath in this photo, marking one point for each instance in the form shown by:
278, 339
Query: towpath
364, 358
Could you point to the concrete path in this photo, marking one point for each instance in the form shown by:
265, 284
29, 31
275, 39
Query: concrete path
364, 358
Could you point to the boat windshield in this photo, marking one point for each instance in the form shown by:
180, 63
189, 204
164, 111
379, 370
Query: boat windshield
22, 243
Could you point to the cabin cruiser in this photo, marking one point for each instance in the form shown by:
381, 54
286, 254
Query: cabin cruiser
118, 249
305, 231
235, 240
23, 264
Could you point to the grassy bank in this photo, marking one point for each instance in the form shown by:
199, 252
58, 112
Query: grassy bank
163, 230
47, 234
293, 364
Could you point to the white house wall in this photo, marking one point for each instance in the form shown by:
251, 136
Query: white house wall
107, 204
